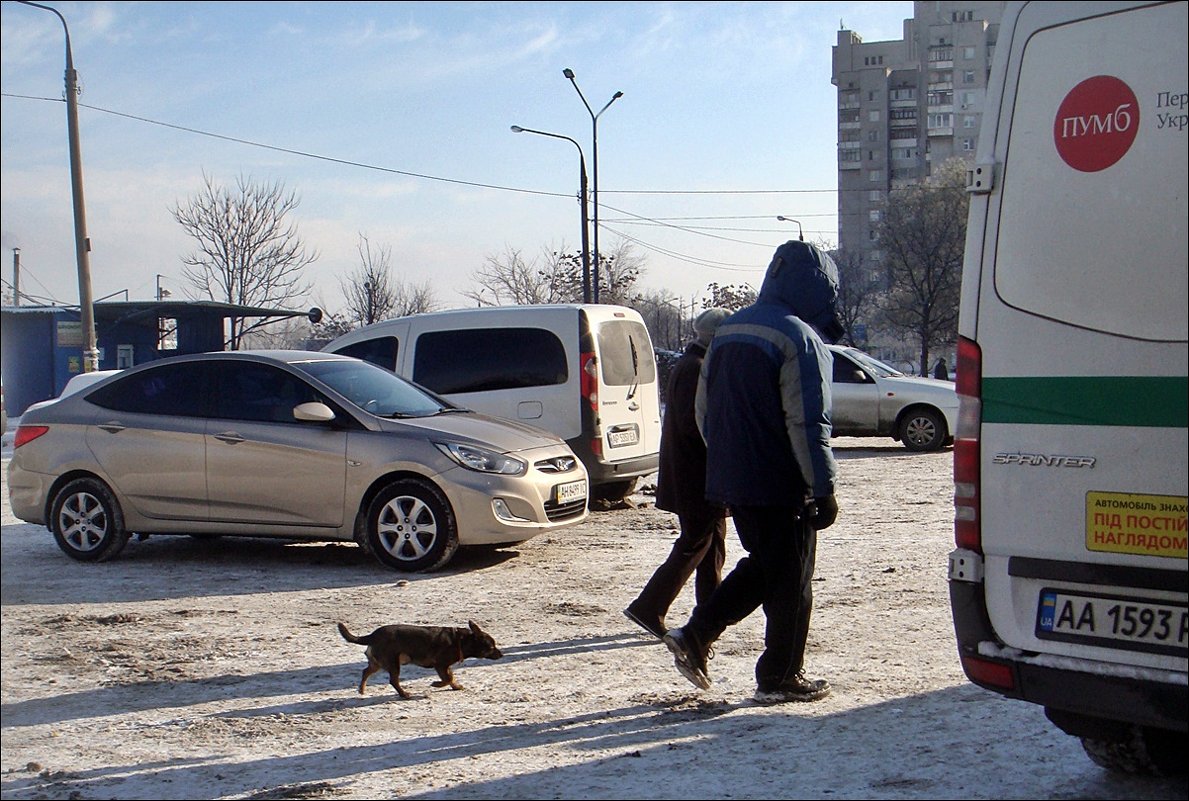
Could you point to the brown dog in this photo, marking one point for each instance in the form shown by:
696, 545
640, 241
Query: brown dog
438, 647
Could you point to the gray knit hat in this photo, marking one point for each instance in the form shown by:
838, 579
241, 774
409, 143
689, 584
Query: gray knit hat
706, 323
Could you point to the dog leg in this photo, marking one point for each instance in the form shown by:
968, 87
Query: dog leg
394, 680
447, 678
368, 671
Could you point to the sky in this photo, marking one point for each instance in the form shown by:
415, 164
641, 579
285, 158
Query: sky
392, 121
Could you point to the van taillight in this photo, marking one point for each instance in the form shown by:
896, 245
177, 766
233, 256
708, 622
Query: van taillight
590, 396
988, 672
967, 527
26, 434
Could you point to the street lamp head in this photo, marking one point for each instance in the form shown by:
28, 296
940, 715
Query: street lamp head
569, 73
800, 230
617, 95
517, 129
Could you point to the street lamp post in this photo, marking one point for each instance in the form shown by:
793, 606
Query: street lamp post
800, 231
594, 140
582, 207
82, 245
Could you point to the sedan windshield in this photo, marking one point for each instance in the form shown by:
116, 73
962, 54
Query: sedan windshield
374, 389
873, 365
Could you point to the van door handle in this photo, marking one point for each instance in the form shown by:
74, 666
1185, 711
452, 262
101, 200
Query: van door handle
633, 406
230, 437
114, 427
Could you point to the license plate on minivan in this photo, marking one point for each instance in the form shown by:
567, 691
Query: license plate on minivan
629, 435
1113, 621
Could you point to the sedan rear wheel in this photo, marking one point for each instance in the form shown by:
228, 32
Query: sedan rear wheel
411, 527
923, 430
87, 522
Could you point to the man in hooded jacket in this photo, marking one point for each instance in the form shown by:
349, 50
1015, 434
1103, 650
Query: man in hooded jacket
764, 410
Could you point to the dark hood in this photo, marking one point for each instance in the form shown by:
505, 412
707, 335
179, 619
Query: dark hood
805, 279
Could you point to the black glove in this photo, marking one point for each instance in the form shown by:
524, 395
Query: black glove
825, 512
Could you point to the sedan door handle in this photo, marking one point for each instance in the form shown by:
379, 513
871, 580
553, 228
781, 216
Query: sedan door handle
230, 437
633, 406
114, 427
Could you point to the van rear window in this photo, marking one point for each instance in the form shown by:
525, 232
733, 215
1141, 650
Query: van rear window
487, 359
380, 351
625, 353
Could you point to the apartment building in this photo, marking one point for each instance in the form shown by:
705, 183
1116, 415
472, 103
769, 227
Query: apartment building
906, 105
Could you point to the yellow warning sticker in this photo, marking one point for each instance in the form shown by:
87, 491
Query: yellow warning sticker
1148, 525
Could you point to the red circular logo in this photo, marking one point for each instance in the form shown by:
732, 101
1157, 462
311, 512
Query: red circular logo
1096, 123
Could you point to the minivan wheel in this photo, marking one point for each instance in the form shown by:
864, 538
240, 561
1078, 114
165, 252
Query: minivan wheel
411, 527
613, 491
1144, 751
923, 430
87, 522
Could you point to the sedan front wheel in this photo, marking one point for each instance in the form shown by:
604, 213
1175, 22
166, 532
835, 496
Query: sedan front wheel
411, 527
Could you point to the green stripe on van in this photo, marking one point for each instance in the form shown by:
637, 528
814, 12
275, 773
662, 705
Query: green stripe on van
1159, 402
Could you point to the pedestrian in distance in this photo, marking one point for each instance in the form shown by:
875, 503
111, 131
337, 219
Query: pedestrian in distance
941, 371
701, 546
763, 408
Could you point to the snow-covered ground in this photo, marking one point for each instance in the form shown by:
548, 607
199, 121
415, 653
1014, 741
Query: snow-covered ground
190, 669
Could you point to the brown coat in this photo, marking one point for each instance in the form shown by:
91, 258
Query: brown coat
681, 483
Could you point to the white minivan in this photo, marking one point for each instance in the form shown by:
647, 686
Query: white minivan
586, 372
1069, 584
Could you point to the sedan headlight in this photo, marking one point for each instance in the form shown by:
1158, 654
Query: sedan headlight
473, 457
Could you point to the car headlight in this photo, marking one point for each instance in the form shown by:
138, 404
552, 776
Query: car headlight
473, 457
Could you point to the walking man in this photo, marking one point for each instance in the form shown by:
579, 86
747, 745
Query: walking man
681, 488
764, 411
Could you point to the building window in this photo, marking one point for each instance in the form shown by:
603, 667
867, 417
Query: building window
873, 116
969, 121
848, 155
873, 136
968, 145
875, 175
873, 215
968, 76
941, 54
968, 53
875, 196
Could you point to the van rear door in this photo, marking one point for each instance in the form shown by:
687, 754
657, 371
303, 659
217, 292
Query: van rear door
628, 403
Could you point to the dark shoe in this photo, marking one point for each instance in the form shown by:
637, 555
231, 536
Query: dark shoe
650, 623
688, 657
796, 688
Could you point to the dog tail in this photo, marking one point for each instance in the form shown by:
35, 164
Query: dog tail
349, 637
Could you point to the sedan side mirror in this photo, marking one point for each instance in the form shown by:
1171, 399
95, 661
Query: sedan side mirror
313, 412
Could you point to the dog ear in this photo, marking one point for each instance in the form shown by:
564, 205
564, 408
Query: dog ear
474, 627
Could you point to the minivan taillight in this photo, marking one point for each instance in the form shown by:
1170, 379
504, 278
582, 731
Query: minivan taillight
967, 527
26, 434
590, 395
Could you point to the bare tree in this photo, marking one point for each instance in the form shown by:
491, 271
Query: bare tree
555, 276
728, 296
372, 293
922, 236
248, 253
858, 295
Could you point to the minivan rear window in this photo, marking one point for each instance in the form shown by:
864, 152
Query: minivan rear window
625, 353
380, 351
487, 359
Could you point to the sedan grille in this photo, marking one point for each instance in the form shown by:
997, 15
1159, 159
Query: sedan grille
564, 511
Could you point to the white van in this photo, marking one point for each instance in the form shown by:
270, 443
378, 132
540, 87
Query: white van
586, 372
1069, 583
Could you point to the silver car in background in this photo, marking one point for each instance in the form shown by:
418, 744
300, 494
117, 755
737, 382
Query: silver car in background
873, 399
289, 444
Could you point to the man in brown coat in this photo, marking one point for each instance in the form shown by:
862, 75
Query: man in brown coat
681, 488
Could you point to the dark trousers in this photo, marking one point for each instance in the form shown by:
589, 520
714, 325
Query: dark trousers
776, 574
702, 547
